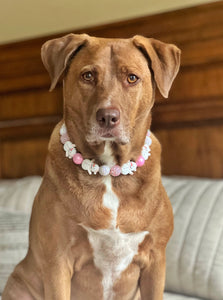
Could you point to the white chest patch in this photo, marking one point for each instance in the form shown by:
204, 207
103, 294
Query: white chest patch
113, 250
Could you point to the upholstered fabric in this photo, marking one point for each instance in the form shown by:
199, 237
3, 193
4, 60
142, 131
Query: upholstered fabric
16, 198
18, 194
13, 242
171, 296
195, 251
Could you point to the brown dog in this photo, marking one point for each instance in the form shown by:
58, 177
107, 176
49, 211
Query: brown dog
94, 236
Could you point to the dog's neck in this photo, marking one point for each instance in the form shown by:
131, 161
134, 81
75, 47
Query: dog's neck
113, 160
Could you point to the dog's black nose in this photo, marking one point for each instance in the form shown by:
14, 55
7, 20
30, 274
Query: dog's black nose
108, 117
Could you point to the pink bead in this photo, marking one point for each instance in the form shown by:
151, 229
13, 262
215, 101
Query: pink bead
140, 161
148, 133
77, 159
64, 138
115, 170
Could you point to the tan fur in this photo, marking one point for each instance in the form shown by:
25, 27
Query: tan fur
59, 262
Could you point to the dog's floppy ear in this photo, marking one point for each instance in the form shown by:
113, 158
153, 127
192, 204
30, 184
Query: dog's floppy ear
165, 61
55, 54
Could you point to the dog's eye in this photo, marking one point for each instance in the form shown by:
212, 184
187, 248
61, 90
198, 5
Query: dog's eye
132, 78
88, 76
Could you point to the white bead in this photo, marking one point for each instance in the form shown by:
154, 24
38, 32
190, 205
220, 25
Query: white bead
126, 169
146, 147
86, 165
104, 170
69, 149
145, 151
71, 153
145, 154
148, 141
68, 145
63, 129
133, 166
94, 168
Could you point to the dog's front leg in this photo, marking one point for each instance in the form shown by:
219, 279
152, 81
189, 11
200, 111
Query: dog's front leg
57, 282
152, 279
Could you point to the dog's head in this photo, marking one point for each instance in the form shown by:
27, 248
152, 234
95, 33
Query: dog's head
109, 83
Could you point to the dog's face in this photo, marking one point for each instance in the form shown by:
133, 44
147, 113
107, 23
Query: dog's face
109, 83
109, 87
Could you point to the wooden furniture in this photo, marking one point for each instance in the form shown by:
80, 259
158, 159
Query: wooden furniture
189, 124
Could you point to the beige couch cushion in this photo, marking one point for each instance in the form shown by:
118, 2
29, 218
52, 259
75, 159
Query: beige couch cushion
171, 296
18, 194
195, 251
16, 198
13, 242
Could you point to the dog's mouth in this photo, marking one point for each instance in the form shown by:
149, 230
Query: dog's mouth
107, 136
98, 135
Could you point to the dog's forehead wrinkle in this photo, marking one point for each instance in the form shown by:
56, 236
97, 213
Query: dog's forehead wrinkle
110, 58
108, 50
133, 62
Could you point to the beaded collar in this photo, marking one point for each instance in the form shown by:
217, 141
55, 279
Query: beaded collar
92, 168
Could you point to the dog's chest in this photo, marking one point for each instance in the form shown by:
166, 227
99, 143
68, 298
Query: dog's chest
113, 250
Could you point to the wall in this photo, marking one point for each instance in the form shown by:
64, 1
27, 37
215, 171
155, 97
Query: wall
22, 19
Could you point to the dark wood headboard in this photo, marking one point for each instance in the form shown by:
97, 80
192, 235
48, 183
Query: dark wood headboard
189, 124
